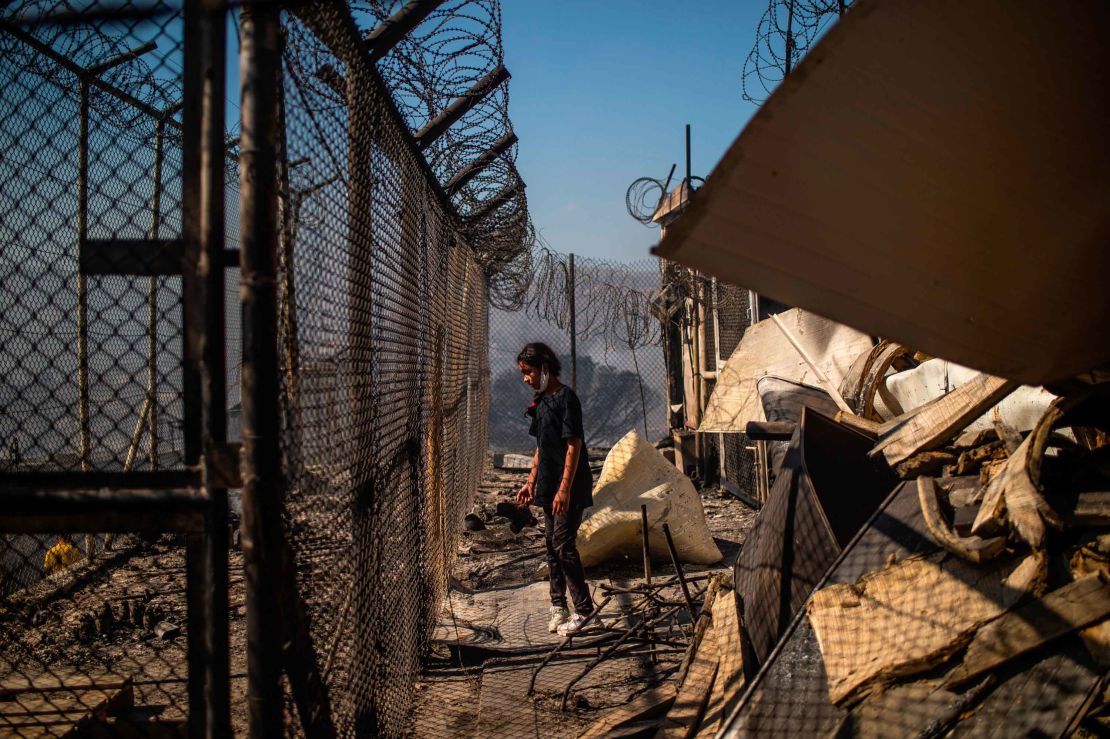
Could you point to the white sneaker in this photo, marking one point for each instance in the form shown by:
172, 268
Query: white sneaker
573, 624
559, 616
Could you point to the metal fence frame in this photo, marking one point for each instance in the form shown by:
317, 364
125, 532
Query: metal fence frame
193, 500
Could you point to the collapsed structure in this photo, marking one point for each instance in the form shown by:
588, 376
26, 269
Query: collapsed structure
933, 556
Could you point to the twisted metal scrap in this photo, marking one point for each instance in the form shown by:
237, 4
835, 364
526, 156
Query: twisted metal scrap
786, 32
441, 60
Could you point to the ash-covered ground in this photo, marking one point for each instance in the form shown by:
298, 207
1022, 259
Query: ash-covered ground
497, 581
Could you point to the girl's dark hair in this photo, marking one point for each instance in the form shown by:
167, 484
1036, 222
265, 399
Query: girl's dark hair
537, 354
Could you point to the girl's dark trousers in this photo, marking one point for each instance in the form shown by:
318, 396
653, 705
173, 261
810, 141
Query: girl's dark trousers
564, 566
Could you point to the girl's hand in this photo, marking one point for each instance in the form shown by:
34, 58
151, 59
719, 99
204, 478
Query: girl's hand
561, 504
526, 494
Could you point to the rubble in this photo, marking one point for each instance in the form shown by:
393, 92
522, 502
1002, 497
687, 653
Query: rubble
636, 473
973, 596
977, 577
961, 604
766, 351
881, 628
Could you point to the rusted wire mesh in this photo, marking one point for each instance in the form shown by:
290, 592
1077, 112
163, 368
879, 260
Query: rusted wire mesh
383, 317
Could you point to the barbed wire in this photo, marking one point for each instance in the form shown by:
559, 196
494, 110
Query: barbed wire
786, 32
454, 48
613, 301
645, 195
86, 44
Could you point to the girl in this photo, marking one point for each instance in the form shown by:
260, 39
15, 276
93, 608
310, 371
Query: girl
560, 482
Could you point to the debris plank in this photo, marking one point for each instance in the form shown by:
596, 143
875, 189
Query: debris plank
900, 620
865, 426
1043, 698
1026, 627
714, 710
49, 683
685, 716
1012, 494
972, 548
1090, 509
937, 422
648, 706
726, 628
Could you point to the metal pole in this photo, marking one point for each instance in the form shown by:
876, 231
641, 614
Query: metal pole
647, 571
136, 436
213, 376
84, 441
259, 62
152, 294
192, 300
203, 378
681, 575
573, 323
693, 336
687, 180
716, 313
197, 617
289, 213
789, 37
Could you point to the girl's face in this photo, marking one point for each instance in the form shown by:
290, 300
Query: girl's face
532, 376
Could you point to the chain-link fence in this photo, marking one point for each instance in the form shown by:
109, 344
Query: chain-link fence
617, 363
115, 398
383, 335
96, 628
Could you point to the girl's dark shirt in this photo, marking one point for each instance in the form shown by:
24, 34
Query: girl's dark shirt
558, 418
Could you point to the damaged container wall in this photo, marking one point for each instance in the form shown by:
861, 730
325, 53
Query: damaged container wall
825, 490
971, 223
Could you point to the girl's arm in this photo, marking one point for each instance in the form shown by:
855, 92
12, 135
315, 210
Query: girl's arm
528, 490
561, 504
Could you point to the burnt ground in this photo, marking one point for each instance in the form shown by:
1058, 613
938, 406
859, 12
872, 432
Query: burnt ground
107, 617
498, 601
125, 615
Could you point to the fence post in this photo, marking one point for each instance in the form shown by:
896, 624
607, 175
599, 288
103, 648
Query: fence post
82, 289
673, 316
152, 292
259, 60
573, 323
84, 441
717, 367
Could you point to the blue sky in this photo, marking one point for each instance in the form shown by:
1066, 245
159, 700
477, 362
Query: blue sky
599, 96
